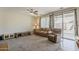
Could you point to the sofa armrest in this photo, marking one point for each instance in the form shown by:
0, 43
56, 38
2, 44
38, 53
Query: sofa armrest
58, 37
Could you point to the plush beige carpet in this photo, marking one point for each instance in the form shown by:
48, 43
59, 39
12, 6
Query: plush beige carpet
31, 43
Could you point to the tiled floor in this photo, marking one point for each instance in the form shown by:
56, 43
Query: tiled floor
37, 43
68, 45
69, 35
31, 43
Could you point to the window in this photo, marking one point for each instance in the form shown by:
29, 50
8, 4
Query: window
45, 22
69, 25
58, 21
65, 22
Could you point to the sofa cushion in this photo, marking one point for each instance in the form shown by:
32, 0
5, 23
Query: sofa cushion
57, 31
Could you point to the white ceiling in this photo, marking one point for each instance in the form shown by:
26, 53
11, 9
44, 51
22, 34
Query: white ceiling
41, 10
45, 10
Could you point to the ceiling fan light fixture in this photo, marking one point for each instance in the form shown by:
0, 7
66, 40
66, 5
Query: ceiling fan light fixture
33, 12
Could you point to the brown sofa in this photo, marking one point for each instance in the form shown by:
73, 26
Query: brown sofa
45, 33
58, 33
42, 32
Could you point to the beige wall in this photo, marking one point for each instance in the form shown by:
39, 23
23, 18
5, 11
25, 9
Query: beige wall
12, 21
1, 22
78, 19
37, 21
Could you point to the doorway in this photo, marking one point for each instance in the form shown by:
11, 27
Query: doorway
66, 22
68, 25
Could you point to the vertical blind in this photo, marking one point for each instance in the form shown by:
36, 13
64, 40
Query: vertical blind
58, 21
69, 21
45, 22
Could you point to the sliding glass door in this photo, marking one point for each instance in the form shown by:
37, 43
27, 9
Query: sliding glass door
69, 25
58, 22
66, 22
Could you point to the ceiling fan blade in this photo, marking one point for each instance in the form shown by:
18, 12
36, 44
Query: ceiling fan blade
32, 11
36, 12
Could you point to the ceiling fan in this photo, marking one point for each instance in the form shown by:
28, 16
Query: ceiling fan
33, 12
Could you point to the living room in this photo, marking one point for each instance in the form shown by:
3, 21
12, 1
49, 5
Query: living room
39, 28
